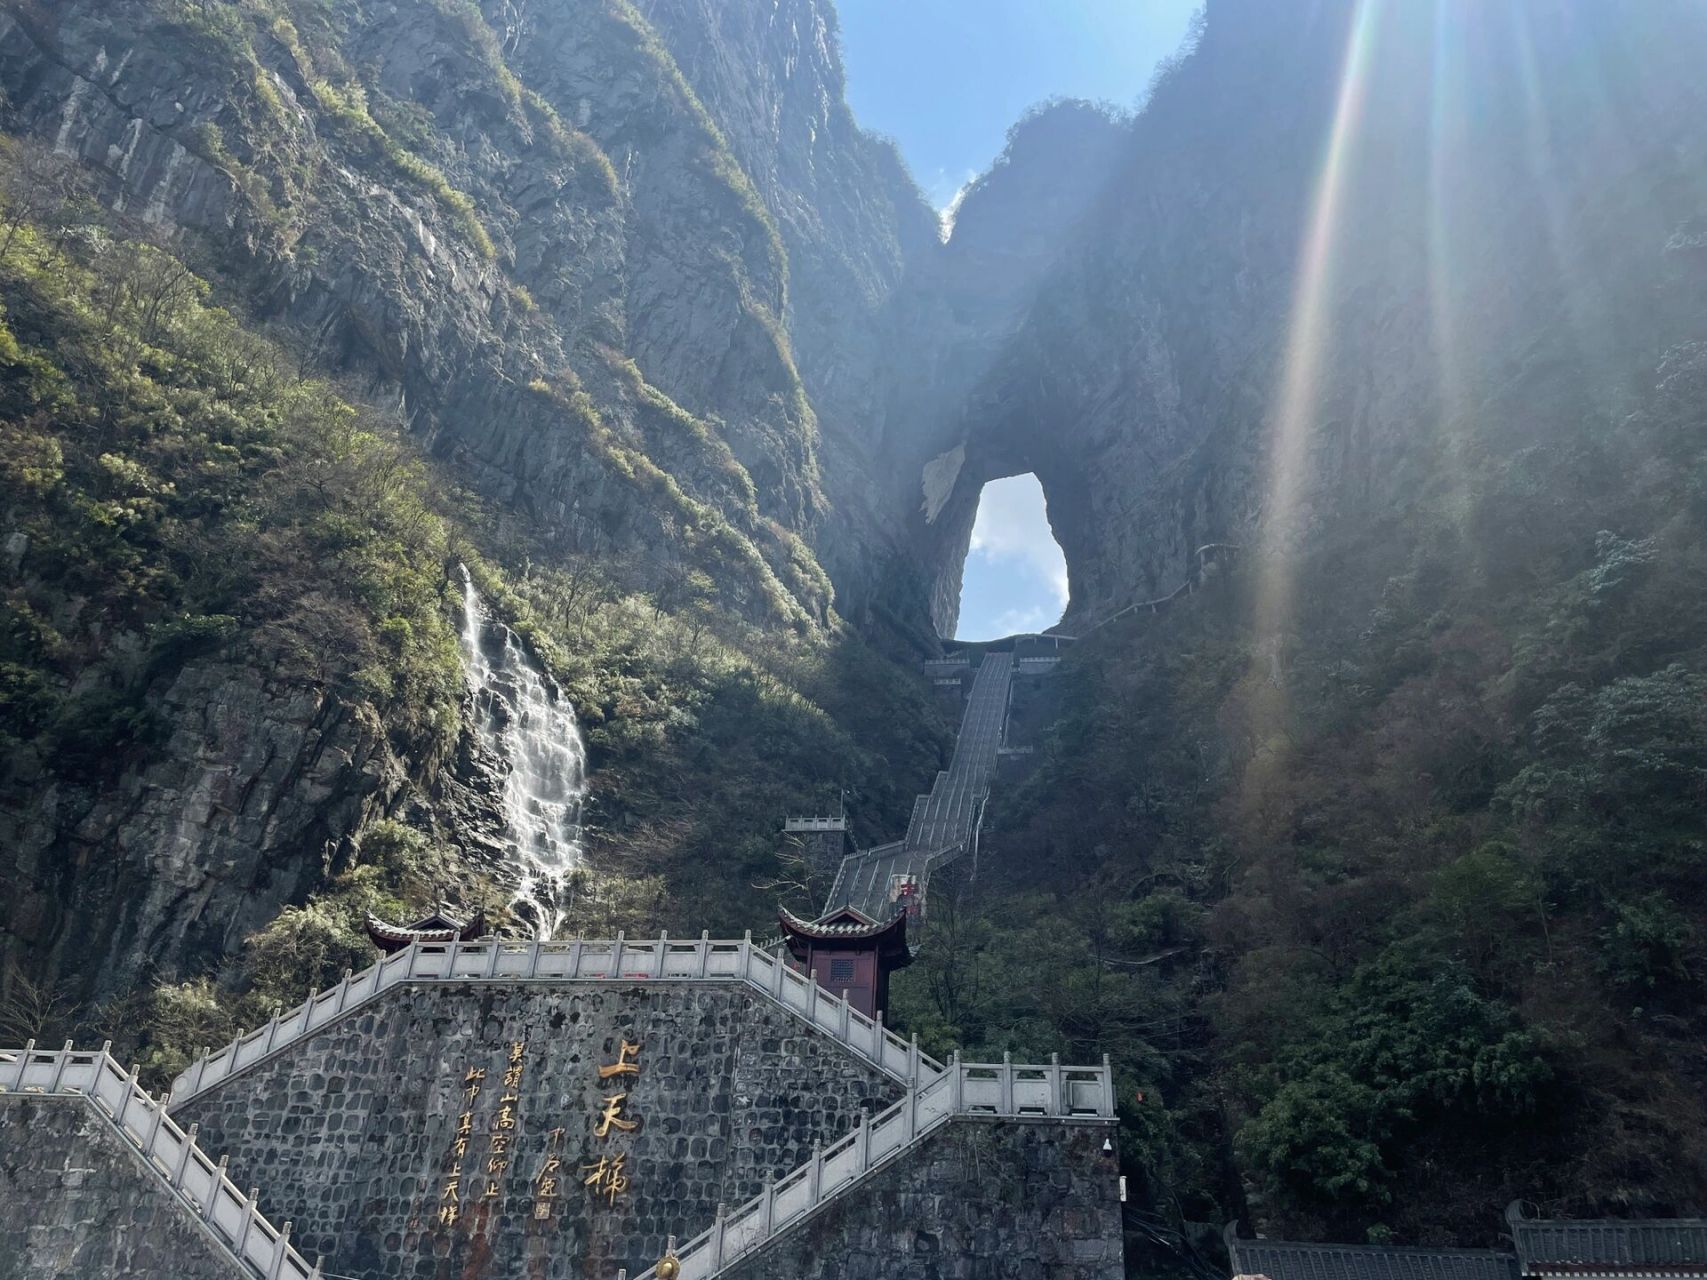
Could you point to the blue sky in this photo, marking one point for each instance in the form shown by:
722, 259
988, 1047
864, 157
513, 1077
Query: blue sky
1016, 577
946, 78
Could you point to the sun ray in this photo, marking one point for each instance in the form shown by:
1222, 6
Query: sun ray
1308, 337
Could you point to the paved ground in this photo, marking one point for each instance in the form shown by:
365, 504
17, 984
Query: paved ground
943, 820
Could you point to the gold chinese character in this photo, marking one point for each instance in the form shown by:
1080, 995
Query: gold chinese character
506, 1112
453, 1187
459, 1147
500, 1144
491, 1191
465, 1123
553, 1163
611, 1117
517, 1048
556, 1136
547, 1187
471, 1083
497, 1165
447, 1216
626, 1064
513, 1078
609, 1178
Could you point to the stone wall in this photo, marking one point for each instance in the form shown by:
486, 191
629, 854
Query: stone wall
77, 1204
351, 1133
979, 1200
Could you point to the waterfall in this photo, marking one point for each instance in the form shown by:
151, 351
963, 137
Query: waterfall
525, 719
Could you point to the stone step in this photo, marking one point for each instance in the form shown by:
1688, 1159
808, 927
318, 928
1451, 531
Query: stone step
962, 1090
618, 960
210, 1197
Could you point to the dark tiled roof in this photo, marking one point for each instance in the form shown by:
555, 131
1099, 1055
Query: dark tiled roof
1611, 1246
847, 922
1285, 1260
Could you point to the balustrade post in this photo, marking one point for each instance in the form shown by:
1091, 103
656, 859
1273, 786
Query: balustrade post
185, 1146
913, 1062
248, 1220
494, 952
272, 1029
534, 949
414, 958
843, 1016
616, 955
154, 1122
812, 996
877, 1040
1007, 1100
815, 1176
956, 1083
201, 1070
59, 1067
704, 952
768, 1208
344, 991
777, 966
745, 965
213, 1188
450, 956
281, 1248
317, 1272
577, 948
24, 1063
910, 1110
130, 1087
862, 1143
660, 967
1107, 1087
717, 1239
1057, 1104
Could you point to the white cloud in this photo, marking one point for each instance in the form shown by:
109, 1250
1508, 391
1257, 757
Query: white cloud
1012, 528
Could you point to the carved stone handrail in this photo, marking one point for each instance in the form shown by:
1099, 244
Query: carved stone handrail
964, 1089
619, 960
141, 1120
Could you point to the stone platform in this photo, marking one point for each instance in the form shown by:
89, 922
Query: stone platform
447, 1114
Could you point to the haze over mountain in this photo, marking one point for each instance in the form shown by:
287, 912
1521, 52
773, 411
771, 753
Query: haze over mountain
1375, 859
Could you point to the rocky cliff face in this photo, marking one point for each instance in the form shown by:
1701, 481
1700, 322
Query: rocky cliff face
1311, 255
582, 290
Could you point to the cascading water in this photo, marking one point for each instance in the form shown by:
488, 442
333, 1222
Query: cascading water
526, 720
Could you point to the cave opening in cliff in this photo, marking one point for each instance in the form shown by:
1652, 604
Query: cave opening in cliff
1015, 575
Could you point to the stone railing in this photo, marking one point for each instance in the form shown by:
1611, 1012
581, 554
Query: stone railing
662, 959
963, 1089
171, 1152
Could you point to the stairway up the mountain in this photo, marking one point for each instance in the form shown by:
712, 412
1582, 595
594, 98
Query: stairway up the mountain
945, 821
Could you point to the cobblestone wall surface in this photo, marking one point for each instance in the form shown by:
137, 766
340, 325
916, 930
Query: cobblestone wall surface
353, 1132
77, 1204
979, 1200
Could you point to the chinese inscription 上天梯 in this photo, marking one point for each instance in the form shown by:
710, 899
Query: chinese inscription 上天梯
608, 1176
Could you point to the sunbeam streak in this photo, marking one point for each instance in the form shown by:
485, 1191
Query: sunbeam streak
1307, 346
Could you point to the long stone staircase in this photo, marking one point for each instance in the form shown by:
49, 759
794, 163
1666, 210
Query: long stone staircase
968, 1090
194, 1178
936, 1094
945, 820
618, 960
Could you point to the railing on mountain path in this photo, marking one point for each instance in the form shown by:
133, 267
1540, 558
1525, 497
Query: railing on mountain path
963, 1089
1204, 555
141, 1121
662, 959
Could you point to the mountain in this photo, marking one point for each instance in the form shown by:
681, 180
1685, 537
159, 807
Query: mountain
1373, 860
